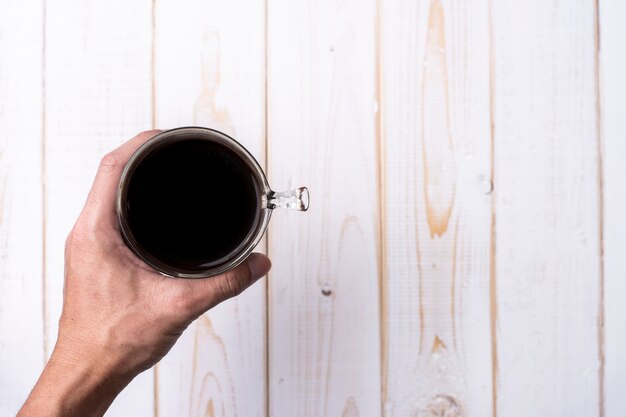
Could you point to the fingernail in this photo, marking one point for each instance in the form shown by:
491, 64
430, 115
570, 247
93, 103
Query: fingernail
259, 265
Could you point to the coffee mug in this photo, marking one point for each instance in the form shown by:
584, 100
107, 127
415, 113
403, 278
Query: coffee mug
192, 202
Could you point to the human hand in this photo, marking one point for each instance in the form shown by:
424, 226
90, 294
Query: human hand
119, 315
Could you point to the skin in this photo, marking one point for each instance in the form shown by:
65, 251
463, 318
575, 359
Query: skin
120, 316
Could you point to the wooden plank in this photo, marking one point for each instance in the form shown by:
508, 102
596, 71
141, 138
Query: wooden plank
437, 175
612, 38
547, 208
210, 71
21, 210
98, 95
324, 351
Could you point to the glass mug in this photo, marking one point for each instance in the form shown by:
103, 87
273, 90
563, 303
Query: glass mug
192, 202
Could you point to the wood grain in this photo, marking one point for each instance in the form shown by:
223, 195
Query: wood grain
210, 71
435, 110
97, 96
548, 262
21, 208
612, 39
324, 349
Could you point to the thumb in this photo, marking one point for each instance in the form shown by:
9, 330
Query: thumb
231, 283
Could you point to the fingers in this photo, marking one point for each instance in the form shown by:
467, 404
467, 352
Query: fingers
100, 206
212, 291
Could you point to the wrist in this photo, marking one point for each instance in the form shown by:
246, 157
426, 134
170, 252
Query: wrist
75, 385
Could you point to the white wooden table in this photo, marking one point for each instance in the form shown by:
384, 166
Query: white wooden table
464, 254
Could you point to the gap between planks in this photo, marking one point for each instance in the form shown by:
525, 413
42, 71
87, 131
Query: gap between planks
600, 171
44, 190
493, 288
266, 164
382, 209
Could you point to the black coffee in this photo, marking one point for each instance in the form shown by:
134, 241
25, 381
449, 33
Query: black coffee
192, 202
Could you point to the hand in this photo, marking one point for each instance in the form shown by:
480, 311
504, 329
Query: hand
119, 315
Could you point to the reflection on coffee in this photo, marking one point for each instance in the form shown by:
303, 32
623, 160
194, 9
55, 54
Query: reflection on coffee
192, 202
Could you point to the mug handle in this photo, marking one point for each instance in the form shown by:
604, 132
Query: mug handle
297, 199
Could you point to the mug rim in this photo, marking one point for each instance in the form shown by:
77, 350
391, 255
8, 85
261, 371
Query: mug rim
239, 254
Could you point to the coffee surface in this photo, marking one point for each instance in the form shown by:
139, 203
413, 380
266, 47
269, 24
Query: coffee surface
192, 202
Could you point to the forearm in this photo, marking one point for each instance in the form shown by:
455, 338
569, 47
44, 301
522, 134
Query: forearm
74, 387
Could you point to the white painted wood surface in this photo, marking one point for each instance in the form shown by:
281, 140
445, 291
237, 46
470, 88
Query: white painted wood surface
612, 36
437, 208
21, 215
464, 249
210, 71
324, 353
547, 212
